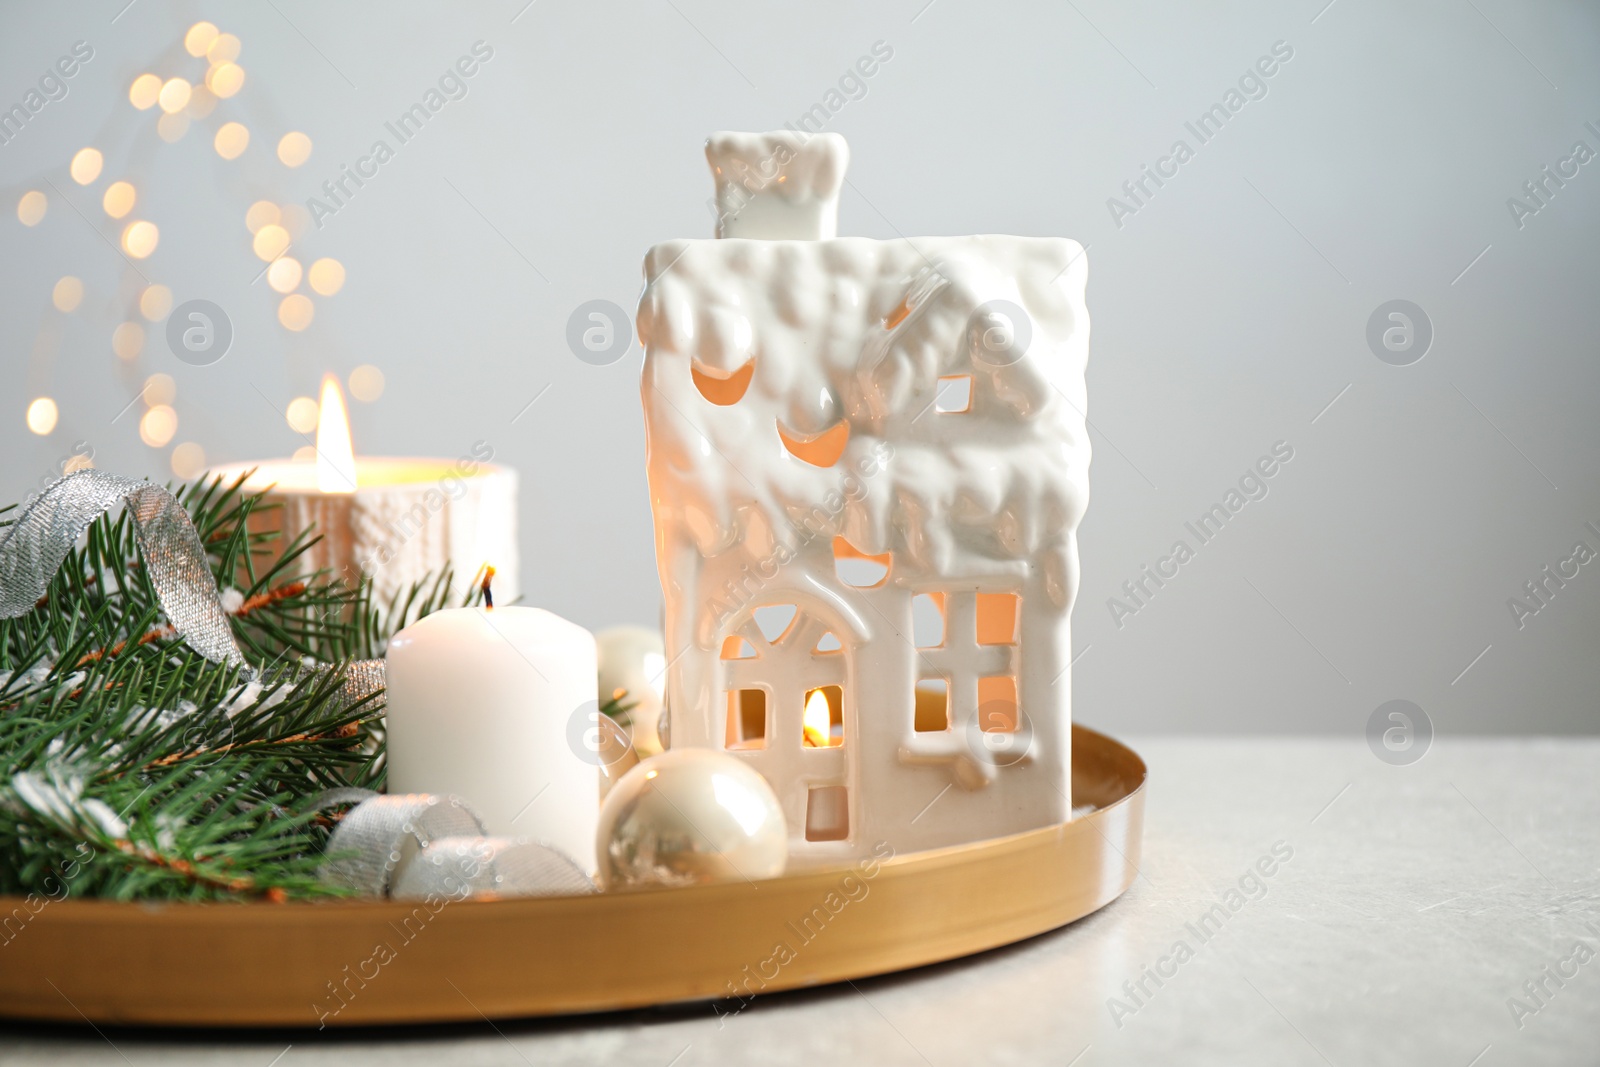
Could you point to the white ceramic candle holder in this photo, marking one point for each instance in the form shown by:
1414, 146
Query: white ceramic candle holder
845, 433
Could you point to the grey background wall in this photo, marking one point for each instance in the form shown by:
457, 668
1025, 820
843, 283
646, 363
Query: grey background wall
1231, 303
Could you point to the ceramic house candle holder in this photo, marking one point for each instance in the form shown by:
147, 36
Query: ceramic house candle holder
845, 434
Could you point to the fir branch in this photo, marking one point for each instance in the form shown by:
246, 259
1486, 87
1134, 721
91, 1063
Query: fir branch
133, 768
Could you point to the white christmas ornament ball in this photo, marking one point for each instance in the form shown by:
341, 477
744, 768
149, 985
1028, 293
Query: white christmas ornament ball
690, 816
634, 658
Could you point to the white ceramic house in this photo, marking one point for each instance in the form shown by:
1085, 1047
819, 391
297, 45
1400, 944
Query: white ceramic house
844, 434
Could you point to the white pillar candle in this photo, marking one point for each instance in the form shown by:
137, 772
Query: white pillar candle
480, 704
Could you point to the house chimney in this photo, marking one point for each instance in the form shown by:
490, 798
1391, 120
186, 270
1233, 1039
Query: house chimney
779, 186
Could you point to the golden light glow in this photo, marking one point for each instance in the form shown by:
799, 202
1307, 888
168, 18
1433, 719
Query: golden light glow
42, 415
294, 148
261, 213
271, 241
31, 208
231, 140
224, 48
225, 79
171, 128
158, 425
336, 457
127, 340
144, 91
140, 238
202, 102
296, 311
174, 95
301, 414
327, 276
199, 38
819, 450
366, 383
159, 389
86, 165
817, 721
304, 454
188, 460
67, 294
284, 274
119, 199
723, 391
155, 302
76, 462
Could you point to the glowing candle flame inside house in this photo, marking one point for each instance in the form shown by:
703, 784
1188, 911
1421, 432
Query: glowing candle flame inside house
336, 457
817, 721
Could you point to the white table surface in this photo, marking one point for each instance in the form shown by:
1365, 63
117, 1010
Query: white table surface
1417, 902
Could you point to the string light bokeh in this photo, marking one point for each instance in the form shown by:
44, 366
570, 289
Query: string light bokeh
179, 100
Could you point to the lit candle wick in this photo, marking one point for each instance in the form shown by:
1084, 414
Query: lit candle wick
488, 594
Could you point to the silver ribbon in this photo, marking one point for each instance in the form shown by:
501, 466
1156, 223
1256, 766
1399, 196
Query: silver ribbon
490, 866
34, 546
416, 845
381, 832
174, 558
362, 678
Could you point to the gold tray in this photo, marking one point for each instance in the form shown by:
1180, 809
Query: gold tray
347, 963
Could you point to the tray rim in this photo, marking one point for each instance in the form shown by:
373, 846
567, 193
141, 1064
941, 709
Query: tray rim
263, 962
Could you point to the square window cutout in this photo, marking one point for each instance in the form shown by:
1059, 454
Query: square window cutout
933, 705
822, 724
927, 620
997, 618
998, 712
747, 719
954, 395
827, 813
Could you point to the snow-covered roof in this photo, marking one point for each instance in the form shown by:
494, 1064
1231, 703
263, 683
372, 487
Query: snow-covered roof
861, 332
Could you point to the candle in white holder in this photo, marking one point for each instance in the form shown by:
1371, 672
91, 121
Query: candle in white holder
480, 701
398, 521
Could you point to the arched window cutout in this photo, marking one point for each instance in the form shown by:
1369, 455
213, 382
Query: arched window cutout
774, 620
828, 643
954, 395
927, 620
856, 568
736, 647
819, 450
722, 389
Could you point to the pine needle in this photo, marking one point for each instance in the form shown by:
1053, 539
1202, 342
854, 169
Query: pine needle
134, 769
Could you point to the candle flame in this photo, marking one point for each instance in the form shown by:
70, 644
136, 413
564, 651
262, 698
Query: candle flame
336, 457
817, 721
